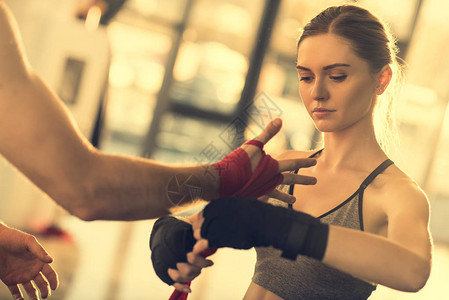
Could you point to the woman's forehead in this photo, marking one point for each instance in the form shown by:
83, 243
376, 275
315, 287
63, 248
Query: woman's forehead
325, 49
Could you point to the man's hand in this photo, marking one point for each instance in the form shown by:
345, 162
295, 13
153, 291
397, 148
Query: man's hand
255, 154
248, 171
23, 260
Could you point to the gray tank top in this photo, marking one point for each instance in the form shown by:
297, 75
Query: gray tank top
307, 278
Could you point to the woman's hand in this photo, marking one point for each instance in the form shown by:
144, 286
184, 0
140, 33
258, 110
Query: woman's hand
197, 222
186, 272
23, 260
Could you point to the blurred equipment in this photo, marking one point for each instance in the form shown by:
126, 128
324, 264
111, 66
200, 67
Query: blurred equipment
108, 8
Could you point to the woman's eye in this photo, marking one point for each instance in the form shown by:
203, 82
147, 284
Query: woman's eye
338, 78
305, 78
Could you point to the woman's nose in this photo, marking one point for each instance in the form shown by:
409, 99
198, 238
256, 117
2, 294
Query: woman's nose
319, 91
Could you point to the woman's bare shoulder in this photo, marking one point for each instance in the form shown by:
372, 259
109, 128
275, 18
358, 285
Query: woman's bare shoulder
293, 154
400, 190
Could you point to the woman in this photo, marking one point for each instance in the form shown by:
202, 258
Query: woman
377, 216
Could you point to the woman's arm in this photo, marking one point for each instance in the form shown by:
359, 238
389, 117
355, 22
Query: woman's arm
400, 261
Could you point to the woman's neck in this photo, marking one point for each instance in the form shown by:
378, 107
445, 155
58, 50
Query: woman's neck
352, 147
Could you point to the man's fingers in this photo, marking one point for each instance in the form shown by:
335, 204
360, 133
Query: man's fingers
198, 260
254, 152
295, 164
30, 290
15, 292
36, 248
51, 275
290, 178
200, 246
42, 285
282, 196
269, 131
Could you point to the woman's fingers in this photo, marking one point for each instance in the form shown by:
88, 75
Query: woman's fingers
187, 272
182, 287
196, 225
184, 273
198, 260
200, 246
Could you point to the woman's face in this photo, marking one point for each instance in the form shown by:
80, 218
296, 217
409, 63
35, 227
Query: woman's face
336, 86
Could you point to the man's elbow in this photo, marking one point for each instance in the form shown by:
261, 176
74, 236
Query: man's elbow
82, 207
84, 214
78, 201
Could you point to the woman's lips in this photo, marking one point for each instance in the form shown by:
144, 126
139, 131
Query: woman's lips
322, 112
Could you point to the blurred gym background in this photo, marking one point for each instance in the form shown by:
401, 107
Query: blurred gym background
185, 81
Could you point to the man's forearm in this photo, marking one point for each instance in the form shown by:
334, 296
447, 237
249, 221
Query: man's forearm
2, 226
45, 145
126, 188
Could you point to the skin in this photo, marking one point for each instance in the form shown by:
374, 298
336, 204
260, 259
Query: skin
45, 144
23, 261
41, 140
395, 248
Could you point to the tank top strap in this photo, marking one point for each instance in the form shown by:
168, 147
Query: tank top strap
314, 154
290, 190
375, 172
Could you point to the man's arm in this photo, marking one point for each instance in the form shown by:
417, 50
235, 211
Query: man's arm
41, 140
38, 136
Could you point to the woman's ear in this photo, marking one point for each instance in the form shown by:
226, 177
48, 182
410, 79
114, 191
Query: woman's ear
383, 79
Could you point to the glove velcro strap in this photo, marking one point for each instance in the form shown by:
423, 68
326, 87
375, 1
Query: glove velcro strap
295, 239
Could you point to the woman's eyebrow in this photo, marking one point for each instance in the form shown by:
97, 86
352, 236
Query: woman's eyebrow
302, 68
335, 65
299, 67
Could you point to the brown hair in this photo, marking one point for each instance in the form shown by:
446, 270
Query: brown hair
371, 40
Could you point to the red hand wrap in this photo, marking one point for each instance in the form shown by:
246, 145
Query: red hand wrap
236, 177
256, 143
177, 295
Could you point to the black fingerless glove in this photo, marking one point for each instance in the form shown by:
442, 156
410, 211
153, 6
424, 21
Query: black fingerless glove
170, 241
243, 223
